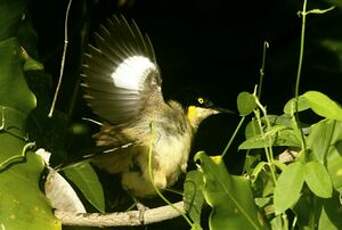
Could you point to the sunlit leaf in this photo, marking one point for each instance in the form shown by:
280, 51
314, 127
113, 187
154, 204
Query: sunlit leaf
288, 187
323, 105
320, 138
277, 136
324, 140
229, 196
258, 168
245, 103
290, 106
279, 223
23, 205
318, 179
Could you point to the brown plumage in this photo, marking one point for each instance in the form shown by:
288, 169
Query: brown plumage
122, 85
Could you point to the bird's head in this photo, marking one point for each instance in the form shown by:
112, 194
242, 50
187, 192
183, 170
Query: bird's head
202, 109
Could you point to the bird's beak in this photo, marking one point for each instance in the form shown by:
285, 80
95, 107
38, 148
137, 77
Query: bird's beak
223, 110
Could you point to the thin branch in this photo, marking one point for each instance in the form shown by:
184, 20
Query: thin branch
130, 218
61, 70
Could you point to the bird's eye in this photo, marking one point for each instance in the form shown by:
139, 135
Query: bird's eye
200, 100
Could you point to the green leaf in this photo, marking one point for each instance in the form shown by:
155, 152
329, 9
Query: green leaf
279, 223
288, 187
334, 157
14, 91
252, 129
31, 64
260, 166
323, 105
246, 103
334, 165
318, 179
278, 135
23, 205
262, 201
229, 196
330, 218
11, 12
290, 106
320, 138
307, 210
324, 140
84, 177
250, 161
193, 195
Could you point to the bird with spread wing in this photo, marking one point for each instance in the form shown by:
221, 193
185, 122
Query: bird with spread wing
122, 85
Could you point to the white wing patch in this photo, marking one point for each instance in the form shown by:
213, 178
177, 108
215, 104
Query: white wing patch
132, 72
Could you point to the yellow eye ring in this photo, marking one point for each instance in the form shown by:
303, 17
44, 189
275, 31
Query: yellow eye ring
200, 100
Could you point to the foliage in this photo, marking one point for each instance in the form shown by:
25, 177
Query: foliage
22, 204
291, 176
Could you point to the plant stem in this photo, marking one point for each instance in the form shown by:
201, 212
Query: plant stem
268, 149
233, 137
299, 71
262, 69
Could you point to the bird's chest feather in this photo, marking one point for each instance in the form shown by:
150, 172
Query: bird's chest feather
171, 152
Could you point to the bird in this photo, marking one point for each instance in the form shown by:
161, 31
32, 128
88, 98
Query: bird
122, 85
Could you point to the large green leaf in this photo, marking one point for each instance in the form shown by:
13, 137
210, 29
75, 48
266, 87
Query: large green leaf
317, 178
22, 204
288, 187
229, 196
14, 91
84, 177
320, 139
323, 105
324, 140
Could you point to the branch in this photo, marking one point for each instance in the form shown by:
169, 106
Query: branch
130, 218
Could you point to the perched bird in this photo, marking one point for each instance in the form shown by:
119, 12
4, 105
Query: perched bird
122, 85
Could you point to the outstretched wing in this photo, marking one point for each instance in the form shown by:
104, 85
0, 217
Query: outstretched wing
120, 73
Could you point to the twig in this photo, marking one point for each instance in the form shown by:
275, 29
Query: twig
61, 70
130, 218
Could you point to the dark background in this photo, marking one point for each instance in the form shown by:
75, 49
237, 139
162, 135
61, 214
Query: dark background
207, 48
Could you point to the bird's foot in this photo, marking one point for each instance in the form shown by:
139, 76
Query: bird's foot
142, 208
